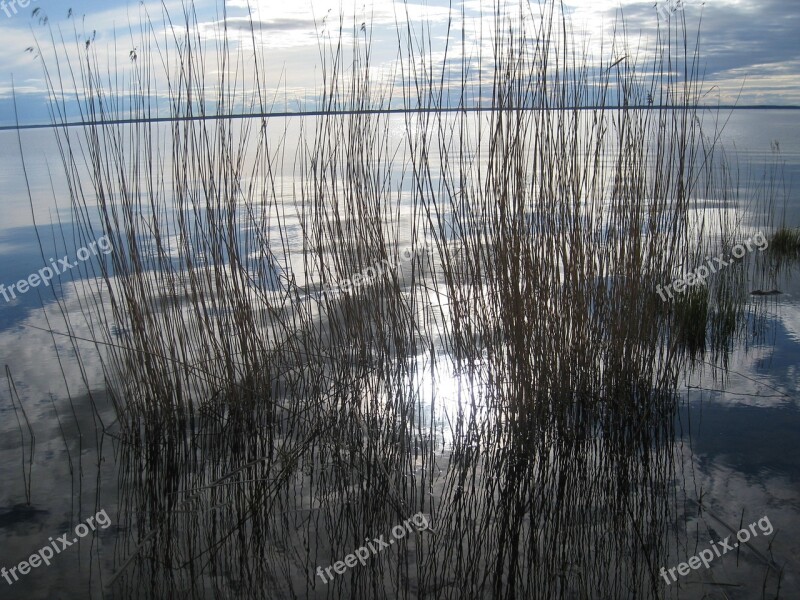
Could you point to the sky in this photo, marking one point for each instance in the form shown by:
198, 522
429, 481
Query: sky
750, 50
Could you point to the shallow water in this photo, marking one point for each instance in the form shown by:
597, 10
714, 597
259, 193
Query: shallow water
598, 508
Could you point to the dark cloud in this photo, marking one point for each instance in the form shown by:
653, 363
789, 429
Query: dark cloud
245, 24
755, 39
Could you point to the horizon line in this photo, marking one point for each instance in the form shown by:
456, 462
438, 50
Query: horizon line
321, 113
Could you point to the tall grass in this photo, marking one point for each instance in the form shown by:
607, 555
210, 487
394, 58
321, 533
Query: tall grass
786, 241
269, 425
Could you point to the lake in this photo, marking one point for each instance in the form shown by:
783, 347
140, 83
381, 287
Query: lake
253, 500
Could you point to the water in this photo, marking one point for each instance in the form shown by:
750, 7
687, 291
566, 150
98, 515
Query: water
735, 454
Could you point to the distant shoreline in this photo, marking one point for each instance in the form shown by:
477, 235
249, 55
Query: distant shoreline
380, 111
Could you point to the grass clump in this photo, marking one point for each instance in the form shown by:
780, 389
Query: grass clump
691, 319
785, 241
555, 211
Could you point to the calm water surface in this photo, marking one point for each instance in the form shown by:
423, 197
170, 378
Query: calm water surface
738, 430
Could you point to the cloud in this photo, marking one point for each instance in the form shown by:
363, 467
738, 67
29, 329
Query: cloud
245, 24
740, 40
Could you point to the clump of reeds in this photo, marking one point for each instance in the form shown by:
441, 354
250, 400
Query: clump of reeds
554, 214
785, 242
691, 318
